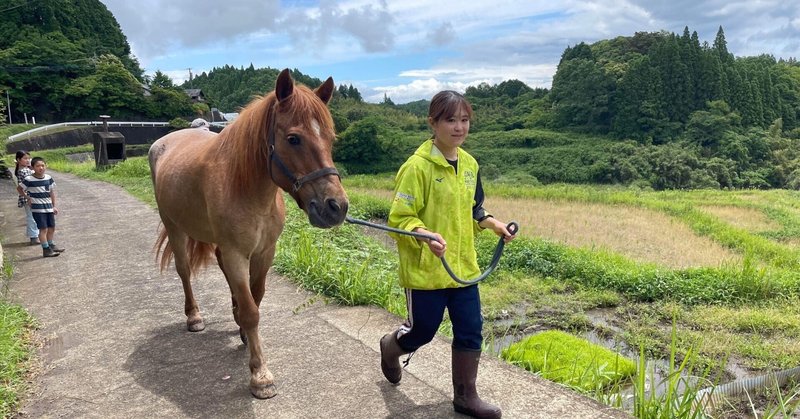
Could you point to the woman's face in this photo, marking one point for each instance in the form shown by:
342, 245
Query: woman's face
451, 132
25, 160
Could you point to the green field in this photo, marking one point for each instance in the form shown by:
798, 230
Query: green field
728, 314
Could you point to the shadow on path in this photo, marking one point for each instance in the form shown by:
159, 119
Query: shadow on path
204, 374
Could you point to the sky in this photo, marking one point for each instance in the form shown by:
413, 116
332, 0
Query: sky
411, 49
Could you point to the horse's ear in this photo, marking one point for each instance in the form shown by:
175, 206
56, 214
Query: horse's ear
284, 86
325, 90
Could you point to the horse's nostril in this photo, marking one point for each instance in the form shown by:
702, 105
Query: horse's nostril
334, 205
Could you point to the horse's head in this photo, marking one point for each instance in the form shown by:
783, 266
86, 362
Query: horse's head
300, 138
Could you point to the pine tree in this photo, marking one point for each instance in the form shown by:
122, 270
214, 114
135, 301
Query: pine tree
721, 47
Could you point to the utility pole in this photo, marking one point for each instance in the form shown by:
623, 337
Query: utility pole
8, 101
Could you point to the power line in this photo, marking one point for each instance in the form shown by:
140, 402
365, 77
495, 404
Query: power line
18, 6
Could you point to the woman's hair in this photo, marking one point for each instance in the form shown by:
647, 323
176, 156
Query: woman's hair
20, 154
446, 103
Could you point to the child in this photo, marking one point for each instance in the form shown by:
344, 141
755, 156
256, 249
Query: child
438, 192
21, 171
40, 188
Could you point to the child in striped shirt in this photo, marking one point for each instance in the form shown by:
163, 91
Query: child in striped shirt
40, 187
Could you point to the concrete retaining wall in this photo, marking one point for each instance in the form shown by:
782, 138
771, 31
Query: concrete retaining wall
80, 136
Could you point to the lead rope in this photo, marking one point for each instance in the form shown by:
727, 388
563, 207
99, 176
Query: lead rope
512, 227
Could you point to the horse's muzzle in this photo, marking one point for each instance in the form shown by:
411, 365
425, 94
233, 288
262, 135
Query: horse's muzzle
328, 214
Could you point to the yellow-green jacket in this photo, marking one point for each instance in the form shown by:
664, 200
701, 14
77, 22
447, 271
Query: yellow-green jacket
430, 194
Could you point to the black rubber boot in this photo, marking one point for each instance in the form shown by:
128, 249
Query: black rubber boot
465, 395
48, 253
390, 358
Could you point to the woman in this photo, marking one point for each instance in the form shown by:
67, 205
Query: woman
438, 192
21, 171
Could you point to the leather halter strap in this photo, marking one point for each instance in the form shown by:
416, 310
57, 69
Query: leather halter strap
297, 183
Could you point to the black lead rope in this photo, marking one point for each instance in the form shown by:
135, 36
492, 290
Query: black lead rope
512, 227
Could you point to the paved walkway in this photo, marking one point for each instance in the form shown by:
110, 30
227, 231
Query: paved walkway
114, 343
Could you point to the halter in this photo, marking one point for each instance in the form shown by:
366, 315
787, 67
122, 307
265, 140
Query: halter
273, 157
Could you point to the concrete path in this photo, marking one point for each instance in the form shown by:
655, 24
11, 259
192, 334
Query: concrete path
114, 343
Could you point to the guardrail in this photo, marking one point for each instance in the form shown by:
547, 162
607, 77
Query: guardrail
27, 134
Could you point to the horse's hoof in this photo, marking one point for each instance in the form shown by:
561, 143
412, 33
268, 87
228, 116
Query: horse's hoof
264, 392
243, 336
195, 325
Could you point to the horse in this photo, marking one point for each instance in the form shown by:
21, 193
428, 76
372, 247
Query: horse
221, 195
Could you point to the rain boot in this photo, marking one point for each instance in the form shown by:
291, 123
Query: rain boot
49, 253
390, 358
465, 395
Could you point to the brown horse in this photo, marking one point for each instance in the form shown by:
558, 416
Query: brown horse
221, 195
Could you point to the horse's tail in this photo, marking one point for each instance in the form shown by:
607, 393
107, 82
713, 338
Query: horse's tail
198, 253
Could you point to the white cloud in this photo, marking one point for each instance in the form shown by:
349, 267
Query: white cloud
427, 82
410, 49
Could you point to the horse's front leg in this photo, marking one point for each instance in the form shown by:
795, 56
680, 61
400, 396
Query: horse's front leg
236, 268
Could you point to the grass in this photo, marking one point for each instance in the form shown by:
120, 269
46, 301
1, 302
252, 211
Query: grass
16, 349
569, 360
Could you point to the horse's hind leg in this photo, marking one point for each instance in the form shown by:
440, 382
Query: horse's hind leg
194, 321
236, 268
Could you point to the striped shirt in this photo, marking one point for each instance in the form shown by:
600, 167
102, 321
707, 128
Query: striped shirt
39, 191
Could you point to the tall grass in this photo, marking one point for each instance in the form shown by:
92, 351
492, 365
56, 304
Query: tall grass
16, 350
341, 264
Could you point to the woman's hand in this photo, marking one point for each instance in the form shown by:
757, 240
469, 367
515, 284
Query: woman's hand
499, 228
438, 246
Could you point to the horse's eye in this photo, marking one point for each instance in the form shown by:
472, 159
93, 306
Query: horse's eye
294, 140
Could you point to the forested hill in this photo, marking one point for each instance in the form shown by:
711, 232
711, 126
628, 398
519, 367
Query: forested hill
654, 109
647, 86
87, 25
229, 88
64, 59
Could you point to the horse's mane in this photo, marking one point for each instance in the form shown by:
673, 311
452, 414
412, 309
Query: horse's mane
245, 141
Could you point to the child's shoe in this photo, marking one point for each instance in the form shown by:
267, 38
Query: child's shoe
49, 253
34, 241
56, 248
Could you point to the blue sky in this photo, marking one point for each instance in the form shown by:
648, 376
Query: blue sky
410, 49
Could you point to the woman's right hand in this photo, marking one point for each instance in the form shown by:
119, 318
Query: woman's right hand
438, 246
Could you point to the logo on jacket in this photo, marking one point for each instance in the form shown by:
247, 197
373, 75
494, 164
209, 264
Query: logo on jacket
469, 179
440, 179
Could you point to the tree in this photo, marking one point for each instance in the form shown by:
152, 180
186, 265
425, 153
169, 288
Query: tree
387, 101
720, 46
581, 96
162, 80
708, 128
111, 90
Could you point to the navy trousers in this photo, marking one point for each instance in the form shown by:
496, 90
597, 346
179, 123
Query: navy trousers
426, 312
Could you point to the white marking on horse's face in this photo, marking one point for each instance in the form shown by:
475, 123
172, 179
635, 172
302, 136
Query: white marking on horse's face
315, 127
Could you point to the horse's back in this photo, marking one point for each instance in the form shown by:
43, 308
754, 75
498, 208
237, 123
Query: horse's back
188, 143
181, 163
